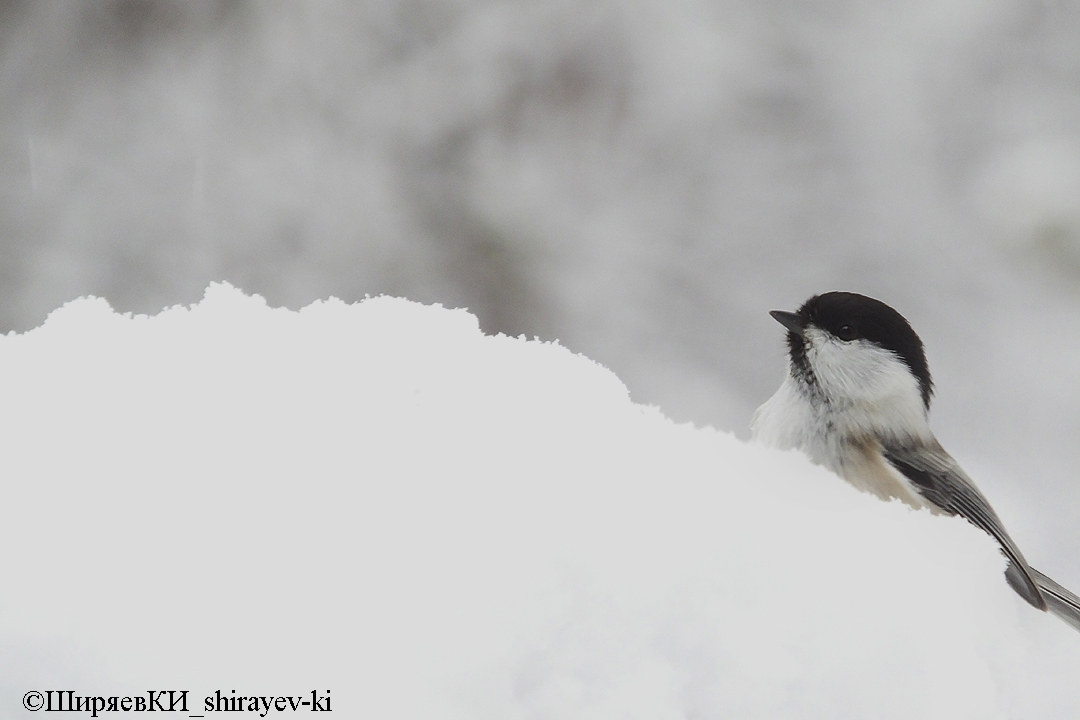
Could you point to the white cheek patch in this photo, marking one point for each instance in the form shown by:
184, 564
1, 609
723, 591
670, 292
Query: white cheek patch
880, 387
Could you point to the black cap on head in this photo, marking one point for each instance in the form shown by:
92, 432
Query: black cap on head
849, 316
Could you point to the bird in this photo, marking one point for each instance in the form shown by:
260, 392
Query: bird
856, 400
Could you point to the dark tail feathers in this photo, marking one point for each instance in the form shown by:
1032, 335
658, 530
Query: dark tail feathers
1059, 601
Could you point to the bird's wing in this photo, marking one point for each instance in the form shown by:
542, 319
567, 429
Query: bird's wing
940, 480
1061, 602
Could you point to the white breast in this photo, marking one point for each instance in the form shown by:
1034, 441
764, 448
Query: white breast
871, 396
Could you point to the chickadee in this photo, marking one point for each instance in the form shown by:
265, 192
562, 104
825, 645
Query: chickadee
857, 400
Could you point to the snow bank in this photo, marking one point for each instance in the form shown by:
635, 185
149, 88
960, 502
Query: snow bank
380, 501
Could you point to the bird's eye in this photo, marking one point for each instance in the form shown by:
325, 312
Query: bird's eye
846, 333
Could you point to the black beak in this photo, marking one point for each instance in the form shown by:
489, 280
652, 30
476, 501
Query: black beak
790, 320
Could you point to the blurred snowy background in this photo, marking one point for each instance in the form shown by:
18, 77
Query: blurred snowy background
641, 180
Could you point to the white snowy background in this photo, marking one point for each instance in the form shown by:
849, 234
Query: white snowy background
381, 501
641, 180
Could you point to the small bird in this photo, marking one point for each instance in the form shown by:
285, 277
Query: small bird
857, 400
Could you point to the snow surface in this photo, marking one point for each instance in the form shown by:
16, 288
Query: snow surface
379, 500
